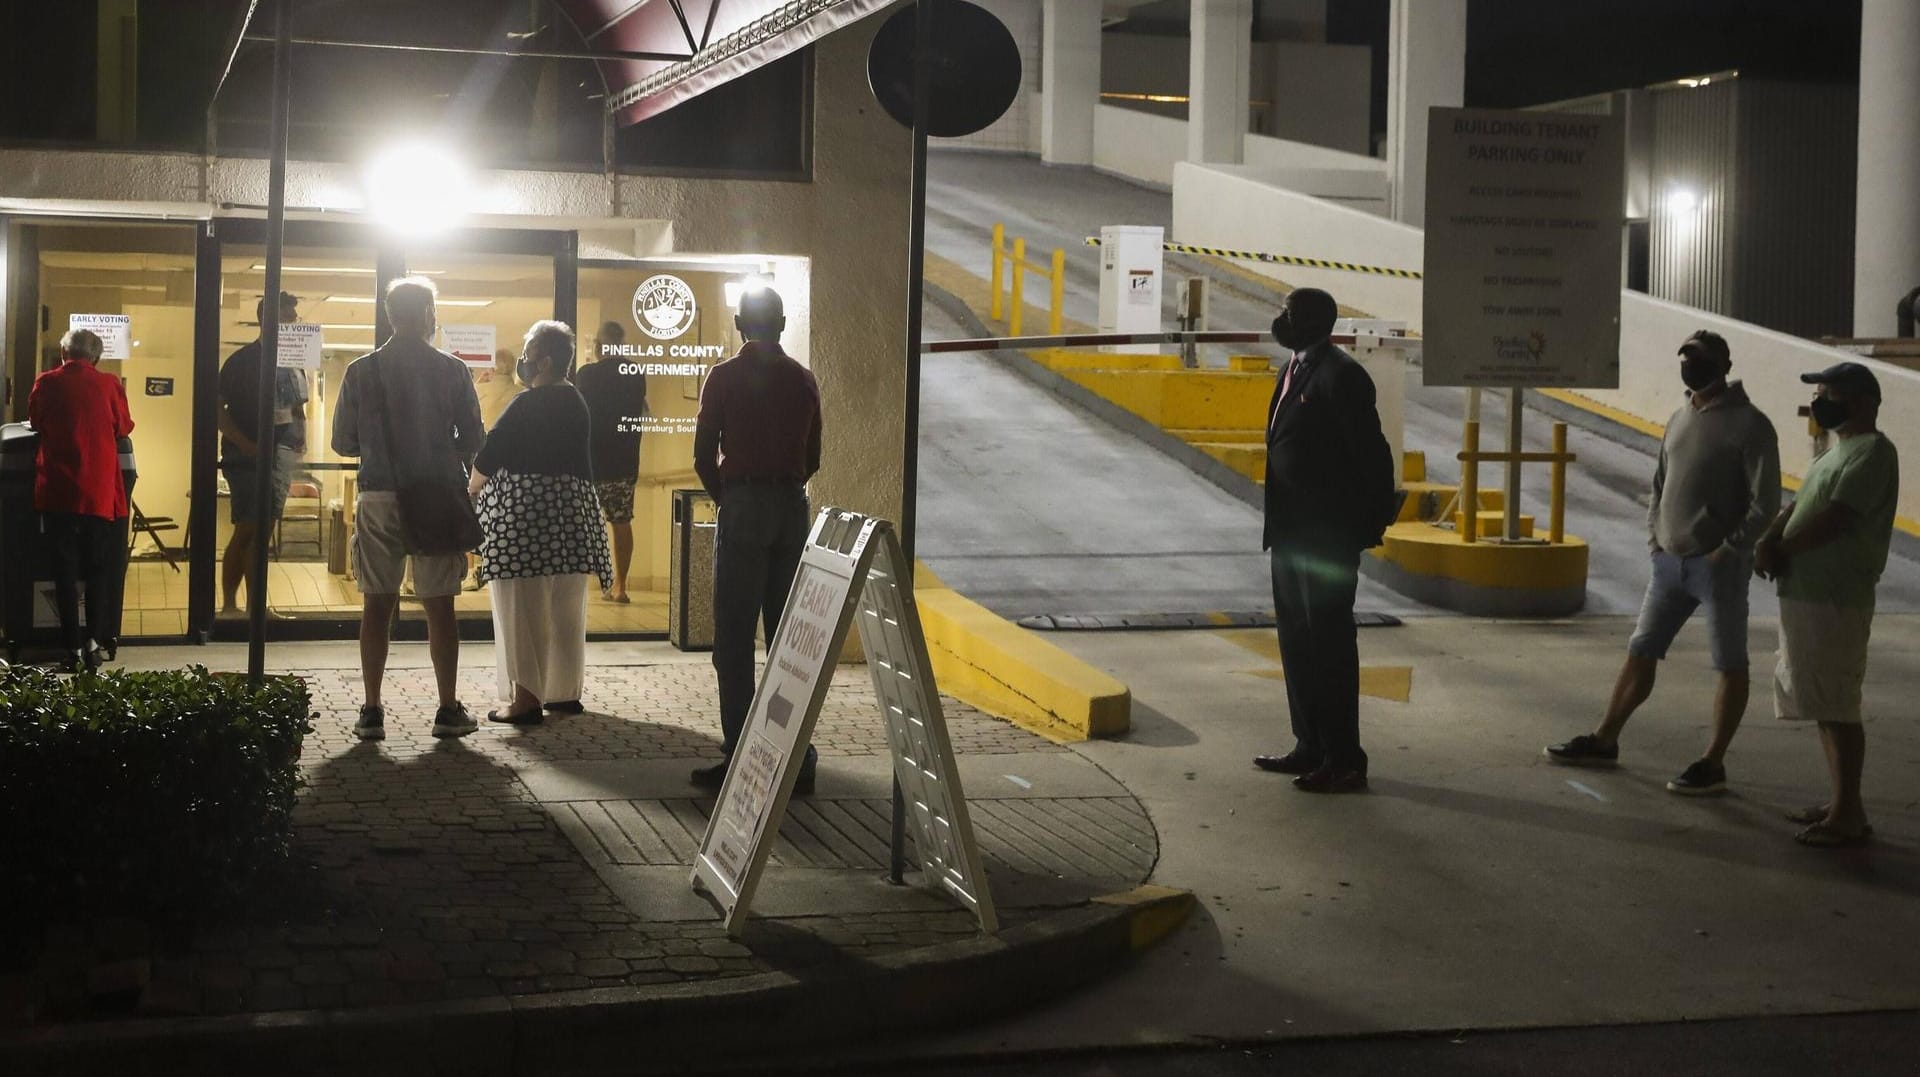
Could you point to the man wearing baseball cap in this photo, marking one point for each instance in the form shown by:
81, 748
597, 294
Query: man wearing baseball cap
1826, 553
1715, 490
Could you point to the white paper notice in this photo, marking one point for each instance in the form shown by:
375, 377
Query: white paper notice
471, 344
1524, 214
300, 346
114, 330
1140, 290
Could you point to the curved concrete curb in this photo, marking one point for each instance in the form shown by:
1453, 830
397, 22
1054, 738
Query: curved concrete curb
633, 1029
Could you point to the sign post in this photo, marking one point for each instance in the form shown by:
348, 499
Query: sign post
1522, 267
853, 567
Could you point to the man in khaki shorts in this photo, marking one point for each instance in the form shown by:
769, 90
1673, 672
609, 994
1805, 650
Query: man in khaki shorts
1828, 552
409, 412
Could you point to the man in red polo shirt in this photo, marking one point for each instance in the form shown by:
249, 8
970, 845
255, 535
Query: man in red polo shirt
80, 415
755, 445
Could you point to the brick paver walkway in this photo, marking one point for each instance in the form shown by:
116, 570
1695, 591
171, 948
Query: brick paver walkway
426, 869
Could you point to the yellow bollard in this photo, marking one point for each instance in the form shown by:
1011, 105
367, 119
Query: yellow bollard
1054, 318
1470, 484
1019, 296
1558, 509
999, 257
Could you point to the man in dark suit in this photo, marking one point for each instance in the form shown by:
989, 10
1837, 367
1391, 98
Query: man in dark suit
1329, 497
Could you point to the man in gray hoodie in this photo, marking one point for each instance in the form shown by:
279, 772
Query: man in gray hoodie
1715, 492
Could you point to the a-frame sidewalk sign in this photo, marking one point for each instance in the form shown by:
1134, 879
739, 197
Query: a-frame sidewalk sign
853, 568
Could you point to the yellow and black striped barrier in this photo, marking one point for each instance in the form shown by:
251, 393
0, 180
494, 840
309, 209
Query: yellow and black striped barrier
1283, 260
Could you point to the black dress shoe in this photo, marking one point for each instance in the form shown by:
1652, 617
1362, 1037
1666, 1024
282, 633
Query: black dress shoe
1290, 763
712, 777
508, 717
566, 706
1332, 780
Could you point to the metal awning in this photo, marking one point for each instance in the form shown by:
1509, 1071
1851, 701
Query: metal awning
722, 40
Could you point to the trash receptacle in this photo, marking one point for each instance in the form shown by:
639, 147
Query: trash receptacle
690, 572
337, 537
22, 560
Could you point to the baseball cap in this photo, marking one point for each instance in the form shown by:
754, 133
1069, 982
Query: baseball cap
1707, 343
1852, 378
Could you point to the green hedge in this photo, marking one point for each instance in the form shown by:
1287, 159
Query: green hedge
144, 793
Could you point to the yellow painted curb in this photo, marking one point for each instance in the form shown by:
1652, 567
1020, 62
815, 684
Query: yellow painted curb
1012, 673
1425, 550
1156, 911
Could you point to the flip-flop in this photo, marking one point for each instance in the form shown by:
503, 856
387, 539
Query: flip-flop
620, 600
1822, 836
1816, 813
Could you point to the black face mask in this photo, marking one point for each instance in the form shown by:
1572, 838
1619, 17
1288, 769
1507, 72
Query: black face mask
524, 369
1700, 374
1829, 413
1285, 334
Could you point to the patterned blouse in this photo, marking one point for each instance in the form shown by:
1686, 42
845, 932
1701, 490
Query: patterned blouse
538, 508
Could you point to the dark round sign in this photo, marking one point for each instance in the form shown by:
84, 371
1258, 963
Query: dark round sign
975, 68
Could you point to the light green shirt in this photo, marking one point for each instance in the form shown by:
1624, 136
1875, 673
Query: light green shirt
1862, 473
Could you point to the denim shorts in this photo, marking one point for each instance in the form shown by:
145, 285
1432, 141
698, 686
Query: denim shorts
1678, 587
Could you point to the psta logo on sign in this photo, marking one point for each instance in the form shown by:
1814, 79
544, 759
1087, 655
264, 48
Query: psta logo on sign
663, 307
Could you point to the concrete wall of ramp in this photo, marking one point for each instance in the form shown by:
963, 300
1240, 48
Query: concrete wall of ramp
1231, 206
1147, 149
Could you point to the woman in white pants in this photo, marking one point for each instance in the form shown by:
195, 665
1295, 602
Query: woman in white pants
533, 487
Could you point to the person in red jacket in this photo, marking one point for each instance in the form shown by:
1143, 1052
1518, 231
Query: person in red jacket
80, 414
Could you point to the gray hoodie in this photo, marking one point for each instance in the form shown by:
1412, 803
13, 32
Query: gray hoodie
1718, 483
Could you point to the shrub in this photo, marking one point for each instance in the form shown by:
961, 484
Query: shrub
144, 793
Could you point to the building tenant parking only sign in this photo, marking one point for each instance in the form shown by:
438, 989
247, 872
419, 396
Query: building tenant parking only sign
1524, 215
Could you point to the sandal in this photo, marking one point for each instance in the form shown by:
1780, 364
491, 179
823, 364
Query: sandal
1816, 813
532, 717
1822, 836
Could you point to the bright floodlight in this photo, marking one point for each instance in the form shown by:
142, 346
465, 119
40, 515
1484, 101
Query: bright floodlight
736, 289
418, 188
1682, 202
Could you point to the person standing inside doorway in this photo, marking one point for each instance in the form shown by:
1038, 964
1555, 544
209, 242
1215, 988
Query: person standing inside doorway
1329, 497
244, 448
81, 414
1828, 552
755, 445
409, 412
616, 406
1715, 490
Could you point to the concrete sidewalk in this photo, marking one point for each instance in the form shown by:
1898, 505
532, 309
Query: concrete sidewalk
1477, 886
555, 859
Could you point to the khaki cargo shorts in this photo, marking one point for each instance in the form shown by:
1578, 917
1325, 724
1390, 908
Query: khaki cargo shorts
380, 553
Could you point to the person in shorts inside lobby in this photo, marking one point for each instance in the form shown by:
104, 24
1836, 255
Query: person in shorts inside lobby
1826, 554
409, 412
616, 404
241, 453
1716, 489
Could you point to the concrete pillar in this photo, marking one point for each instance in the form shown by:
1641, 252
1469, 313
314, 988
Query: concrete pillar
1219, 59
1886, 238
1069, 80
1426, 67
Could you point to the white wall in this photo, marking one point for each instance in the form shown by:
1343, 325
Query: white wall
1138, 145
1019, 130
1769, 363
1145, 148
1236, 206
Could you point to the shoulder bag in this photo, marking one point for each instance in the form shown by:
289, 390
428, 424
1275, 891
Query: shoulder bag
436, 516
